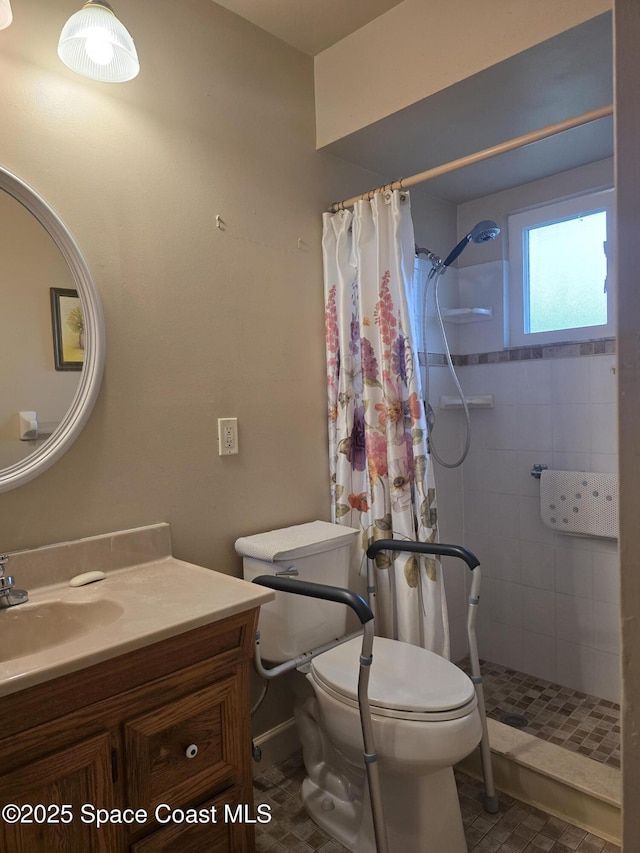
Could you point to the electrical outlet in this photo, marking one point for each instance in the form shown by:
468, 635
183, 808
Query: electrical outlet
227, 436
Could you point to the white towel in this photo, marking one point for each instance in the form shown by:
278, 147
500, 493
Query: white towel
580, 502
290, 542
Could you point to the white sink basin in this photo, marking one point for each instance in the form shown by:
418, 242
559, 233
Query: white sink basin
146, 596
30, 628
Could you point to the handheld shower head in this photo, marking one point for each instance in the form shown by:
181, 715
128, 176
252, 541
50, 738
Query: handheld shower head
480, 233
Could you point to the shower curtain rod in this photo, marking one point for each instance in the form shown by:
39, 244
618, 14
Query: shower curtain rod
478, 157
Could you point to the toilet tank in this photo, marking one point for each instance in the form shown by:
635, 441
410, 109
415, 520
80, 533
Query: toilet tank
320, 551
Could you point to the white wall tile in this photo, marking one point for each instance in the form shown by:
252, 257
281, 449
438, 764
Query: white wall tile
458, 639
483, 635
539, 656
506, 382
474, 379
571, 427
602, 379
604, 463
535, 428
604, 428
476, 515
527, 483
574, 620
570, 460
606, 676
501, 468
475, 471
477, 543
503, 601
506, 645
503, 558
482, 286
531, 527
501, 428
570, 380
549, 602
573, 572
503, 516
537, 566
440, 381
575, 666
606, 621
606, 578
447, 433
453, 572
539, 611
535, 388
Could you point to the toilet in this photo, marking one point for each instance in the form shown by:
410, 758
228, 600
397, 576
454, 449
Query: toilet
424, 708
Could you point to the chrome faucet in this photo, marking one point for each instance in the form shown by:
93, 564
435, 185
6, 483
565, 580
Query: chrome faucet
9, 596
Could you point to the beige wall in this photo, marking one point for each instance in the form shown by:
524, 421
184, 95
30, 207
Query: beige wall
201, 323
419, 48
627, 35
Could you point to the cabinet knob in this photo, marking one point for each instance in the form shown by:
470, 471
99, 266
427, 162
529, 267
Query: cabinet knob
191, 751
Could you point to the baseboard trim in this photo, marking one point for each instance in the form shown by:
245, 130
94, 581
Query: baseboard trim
557, 781
277, 744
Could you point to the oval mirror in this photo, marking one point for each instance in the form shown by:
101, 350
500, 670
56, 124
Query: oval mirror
51, 335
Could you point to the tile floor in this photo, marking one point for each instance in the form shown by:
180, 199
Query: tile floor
560, 715
517, 828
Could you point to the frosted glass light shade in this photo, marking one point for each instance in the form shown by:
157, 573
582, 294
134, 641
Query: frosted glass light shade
95, 44
6, 15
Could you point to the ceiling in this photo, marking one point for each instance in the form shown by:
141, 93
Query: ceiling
309, 25
564, 76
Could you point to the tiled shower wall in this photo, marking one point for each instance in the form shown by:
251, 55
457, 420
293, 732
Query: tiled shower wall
549, 603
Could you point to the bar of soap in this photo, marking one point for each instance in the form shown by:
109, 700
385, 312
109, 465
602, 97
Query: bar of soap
87, 577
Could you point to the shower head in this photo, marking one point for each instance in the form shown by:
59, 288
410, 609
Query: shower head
480, 233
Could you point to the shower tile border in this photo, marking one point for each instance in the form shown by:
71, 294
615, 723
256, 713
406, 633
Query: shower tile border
601, 346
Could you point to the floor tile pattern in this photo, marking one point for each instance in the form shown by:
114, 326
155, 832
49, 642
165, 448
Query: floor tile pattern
517, 828
560, 715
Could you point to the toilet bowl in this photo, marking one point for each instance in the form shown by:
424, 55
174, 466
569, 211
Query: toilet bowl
424, 710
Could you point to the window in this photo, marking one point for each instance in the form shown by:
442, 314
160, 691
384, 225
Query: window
560, 275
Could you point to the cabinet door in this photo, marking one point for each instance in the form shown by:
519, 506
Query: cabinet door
187, 749
75, 776
222, 835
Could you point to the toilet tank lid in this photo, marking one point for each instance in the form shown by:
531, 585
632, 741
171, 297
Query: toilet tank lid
300, 540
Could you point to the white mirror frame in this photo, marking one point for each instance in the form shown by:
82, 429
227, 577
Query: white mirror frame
91, 374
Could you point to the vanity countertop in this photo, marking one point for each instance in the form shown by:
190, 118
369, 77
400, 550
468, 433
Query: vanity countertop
138, 603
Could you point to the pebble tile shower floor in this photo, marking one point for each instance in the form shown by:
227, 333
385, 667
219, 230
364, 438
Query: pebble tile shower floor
559, 715
517, 828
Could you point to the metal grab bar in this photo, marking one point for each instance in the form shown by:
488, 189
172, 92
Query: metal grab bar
442, 550
437, 548
365, 615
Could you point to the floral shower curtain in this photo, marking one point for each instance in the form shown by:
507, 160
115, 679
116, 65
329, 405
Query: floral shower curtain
381, 474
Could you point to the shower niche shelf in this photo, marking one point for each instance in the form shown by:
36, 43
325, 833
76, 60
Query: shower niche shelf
466, 315
476, 401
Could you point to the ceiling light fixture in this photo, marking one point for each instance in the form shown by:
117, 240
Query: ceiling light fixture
6, 15
95, 44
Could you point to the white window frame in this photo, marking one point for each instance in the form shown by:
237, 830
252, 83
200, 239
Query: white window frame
556, 211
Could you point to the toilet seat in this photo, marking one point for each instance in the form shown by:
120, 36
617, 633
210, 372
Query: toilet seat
406, 682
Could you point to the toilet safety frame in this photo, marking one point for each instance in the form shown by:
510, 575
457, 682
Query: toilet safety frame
438, 549
364, 612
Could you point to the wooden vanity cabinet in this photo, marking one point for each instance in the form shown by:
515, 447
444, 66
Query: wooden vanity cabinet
164, 727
